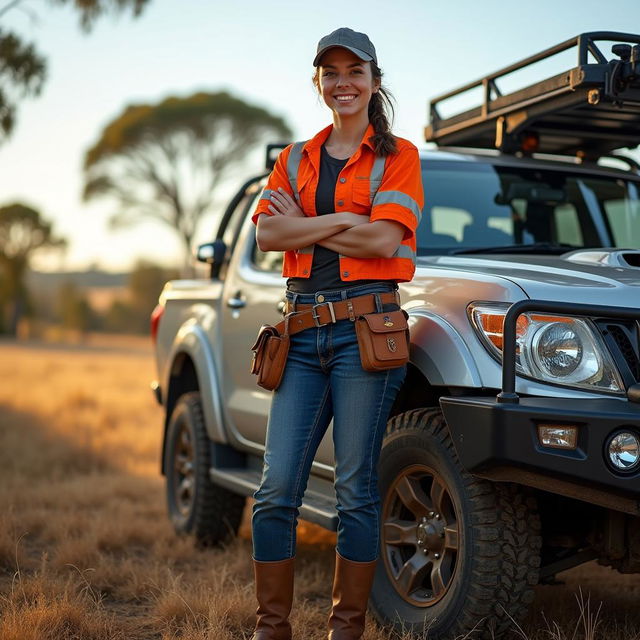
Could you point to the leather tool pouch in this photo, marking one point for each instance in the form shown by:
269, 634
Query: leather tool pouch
269, 356
383, 339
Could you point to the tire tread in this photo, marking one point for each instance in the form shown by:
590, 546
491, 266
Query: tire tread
507, 539
217, 511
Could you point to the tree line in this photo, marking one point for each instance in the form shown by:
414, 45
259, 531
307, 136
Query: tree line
23, 232
159, 161
69, 307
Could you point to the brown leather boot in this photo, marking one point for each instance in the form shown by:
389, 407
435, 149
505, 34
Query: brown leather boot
274, 592
351, 587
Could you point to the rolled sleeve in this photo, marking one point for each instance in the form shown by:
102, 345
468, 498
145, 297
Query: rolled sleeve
278, 179
400, 196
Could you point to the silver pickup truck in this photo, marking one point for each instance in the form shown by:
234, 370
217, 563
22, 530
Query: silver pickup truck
513, 450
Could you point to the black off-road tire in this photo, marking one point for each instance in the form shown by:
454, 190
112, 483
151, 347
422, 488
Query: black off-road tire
196, 505
485, 534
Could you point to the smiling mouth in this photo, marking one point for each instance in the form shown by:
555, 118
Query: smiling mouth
346, 98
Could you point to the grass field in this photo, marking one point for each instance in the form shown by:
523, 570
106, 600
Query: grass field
86, 549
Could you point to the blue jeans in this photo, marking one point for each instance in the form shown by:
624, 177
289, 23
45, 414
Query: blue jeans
324, 379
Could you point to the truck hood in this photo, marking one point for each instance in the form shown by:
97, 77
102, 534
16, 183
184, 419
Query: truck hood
590, 276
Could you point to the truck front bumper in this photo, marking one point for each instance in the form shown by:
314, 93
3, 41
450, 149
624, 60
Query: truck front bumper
500, 441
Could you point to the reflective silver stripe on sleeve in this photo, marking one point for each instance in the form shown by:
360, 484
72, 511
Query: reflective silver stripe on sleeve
375, 178
266, 194
293, 164
403, 251
398, 197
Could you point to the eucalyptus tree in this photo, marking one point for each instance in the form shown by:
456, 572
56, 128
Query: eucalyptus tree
23, 69
164, 161
22, 232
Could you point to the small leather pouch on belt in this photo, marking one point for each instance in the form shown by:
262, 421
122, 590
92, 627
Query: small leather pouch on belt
269, 356
383, 339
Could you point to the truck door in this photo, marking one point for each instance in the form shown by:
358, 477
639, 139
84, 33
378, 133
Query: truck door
253, 295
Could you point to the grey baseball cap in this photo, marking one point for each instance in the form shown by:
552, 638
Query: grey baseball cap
355, 41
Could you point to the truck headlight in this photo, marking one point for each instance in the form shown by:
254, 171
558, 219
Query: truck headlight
557, 349
551, 348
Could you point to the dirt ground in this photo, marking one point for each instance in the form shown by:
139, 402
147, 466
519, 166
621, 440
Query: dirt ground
87, 551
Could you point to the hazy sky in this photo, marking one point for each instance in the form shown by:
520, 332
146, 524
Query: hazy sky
262, 52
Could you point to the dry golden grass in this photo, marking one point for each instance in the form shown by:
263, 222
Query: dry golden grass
86, 549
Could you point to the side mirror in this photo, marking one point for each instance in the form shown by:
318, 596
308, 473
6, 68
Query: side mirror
211, 252
273, 151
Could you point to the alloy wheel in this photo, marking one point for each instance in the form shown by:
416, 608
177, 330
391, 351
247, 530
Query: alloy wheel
420, 536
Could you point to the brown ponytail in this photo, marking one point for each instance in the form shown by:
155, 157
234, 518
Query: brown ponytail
380, 108
380, 113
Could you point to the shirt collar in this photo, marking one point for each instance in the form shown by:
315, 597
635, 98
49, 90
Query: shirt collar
320, 138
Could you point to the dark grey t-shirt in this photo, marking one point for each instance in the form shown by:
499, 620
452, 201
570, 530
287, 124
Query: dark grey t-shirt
325, 268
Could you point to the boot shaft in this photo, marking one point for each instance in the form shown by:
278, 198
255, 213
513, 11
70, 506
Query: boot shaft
351, 588
274, 592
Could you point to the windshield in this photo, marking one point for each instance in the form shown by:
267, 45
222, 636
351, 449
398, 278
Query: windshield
480, 206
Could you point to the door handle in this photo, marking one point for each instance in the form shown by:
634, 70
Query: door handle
236, 302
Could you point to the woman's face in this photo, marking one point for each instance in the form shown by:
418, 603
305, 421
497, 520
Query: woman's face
345, 82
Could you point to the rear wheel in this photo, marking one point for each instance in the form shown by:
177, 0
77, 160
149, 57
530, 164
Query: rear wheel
457, 553
196, 505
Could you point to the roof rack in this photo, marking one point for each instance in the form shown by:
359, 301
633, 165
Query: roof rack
587, 111
632, 163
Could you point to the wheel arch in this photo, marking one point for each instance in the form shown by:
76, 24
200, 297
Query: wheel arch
439, 362
416, 392
191, 367
440, 352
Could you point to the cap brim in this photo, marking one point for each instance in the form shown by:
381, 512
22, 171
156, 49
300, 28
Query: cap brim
365, 57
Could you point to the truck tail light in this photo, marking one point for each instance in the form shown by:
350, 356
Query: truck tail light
156, 314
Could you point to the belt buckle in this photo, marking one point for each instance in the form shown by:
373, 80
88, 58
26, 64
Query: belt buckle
316, 317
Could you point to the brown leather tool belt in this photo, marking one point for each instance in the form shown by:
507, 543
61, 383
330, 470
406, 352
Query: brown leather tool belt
307, 316
382, 337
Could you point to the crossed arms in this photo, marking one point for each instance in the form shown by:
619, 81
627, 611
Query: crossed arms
348, 233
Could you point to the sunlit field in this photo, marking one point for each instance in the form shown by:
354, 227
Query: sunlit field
86, 548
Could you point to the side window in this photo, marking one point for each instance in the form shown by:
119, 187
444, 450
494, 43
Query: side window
231, 231
266, 260
229, 234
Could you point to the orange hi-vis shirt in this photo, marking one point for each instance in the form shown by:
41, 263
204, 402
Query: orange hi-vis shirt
382, 188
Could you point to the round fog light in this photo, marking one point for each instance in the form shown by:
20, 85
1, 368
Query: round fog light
624, 451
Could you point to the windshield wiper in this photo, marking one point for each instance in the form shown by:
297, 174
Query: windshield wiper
536, 247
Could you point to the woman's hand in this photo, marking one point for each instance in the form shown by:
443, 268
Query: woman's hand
283, 204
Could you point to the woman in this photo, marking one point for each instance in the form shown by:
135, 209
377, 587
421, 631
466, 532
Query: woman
343, 207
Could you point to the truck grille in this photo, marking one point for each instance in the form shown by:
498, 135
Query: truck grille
622, 338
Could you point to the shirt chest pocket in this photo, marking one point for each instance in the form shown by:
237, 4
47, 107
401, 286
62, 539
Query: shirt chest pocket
360, 196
